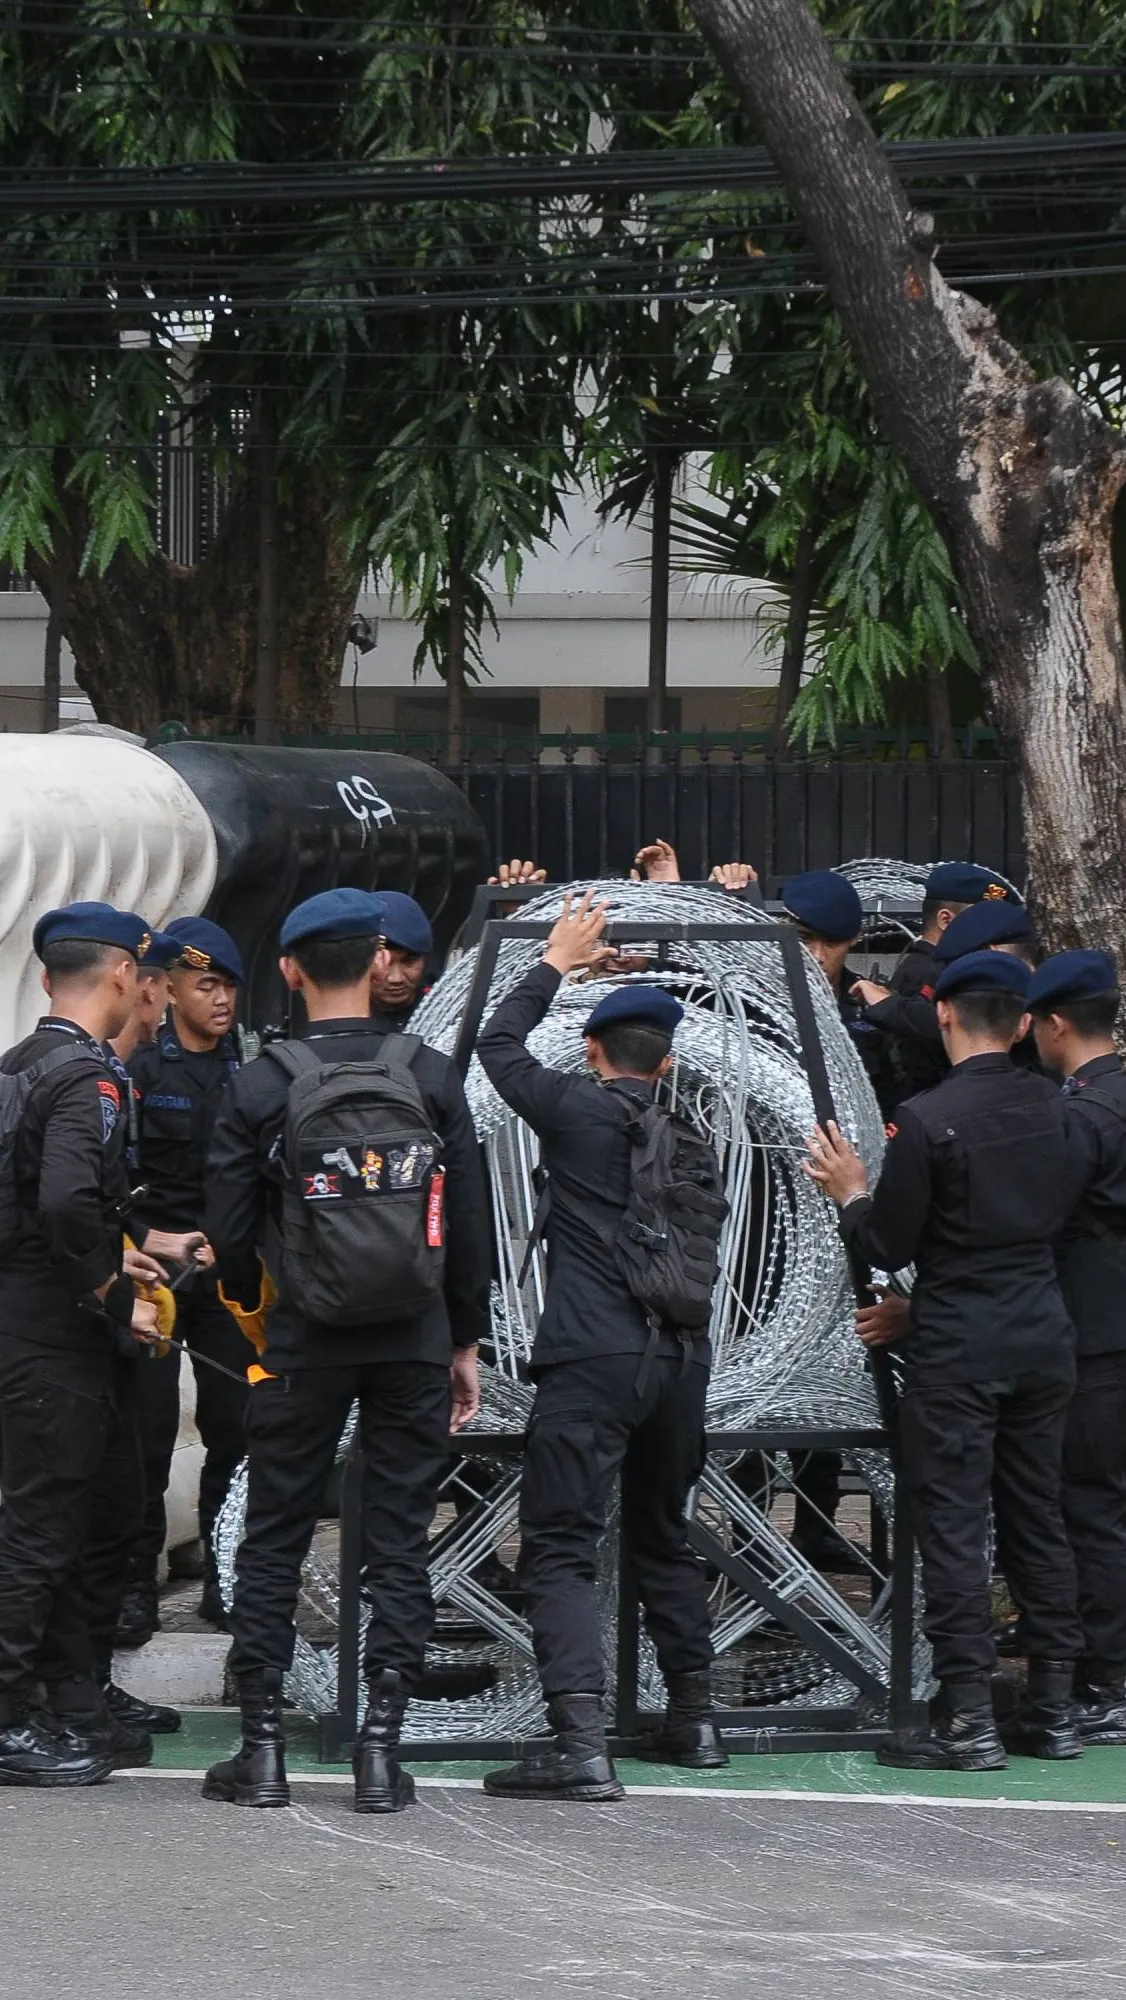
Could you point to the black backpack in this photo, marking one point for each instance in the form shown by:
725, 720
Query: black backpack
667, 1242
14, 1093
363, 1228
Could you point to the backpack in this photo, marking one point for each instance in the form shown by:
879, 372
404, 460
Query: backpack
363, 1237
667, 1242
14, 1093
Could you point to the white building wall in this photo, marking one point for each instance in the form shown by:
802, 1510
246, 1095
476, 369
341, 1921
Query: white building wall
577, 627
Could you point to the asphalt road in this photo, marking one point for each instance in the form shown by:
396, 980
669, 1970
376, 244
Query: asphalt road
140, 1891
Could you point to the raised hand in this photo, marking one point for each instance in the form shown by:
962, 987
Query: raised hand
576, 934
733, 875
511, 874
656, 863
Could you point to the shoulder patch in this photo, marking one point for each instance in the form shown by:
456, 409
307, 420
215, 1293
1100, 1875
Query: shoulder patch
110, 1099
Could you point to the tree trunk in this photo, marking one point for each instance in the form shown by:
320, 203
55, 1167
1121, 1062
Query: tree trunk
797, 628
944, 742
1021, 477
155, 642
56, 626
267, 676
455, 669
660, 562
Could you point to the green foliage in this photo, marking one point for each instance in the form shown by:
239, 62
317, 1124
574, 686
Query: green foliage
449, 438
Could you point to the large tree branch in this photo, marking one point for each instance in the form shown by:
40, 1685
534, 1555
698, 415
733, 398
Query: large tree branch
1022, 476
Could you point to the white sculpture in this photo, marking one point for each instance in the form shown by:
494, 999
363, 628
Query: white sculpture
89, 819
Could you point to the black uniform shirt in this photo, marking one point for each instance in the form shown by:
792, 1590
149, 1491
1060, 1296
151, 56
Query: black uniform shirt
980, 1176
917, 970
582, 1127
244, 1190
909, 1018
870, 1044
1091, 1253
70, 1180
178, 1093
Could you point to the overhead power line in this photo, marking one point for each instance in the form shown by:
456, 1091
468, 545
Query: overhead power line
240, 184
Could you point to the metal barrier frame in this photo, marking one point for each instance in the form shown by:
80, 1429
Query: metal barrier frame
775, 1728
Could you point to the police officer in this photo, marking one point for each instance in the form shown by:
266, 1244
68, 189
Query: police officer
980, 1175
609, 1395
399, 972
965, 908
830, 919
68, 1332
309, 1373
179, 1080
1075, 1004
152, 996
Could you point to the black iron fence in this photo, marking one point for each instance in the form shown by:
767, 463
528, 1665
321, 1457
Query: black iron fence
581, 818
584, 805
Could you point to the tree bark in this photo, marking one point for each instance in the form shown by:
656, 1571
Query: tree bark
455, 669
1021, 476
797, 628
660, 560
944, 742
154, 641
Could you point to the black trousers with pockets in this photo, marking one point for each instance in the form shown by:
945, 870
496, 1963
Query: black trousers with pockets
589, 1424
1094, 1507
293, 1427
964, 1443
71, 1478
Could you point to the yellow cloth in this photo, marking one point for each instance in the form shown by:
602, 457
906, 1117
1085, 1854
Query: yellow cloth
165, 1302
252, 1320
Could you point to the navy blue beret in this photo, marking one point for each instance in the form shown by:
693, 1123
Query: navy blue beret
965, 882
982, 925
91, 923
160, 952
826, 904
335, 913
983, 972
203, 947
648, 1004
404, 923
1071, 975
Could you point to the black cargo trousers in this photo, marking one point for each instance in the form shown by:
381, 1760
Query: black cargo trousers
589, 1424
964, 1445
73, 1494
293, 1426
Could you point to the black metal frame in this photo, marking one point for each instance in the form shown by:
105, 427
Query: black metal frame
775, 1728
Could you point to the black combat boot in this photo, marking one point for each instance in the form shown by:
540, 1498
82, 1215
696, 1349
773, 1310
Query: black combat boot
129, 1708
138, 1714
962, 1735
255, 1775
382, 1786
576, 1765
689, 1735
139, 1617
78, 1719
1100, 1706
31, 1754
1045, 1723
